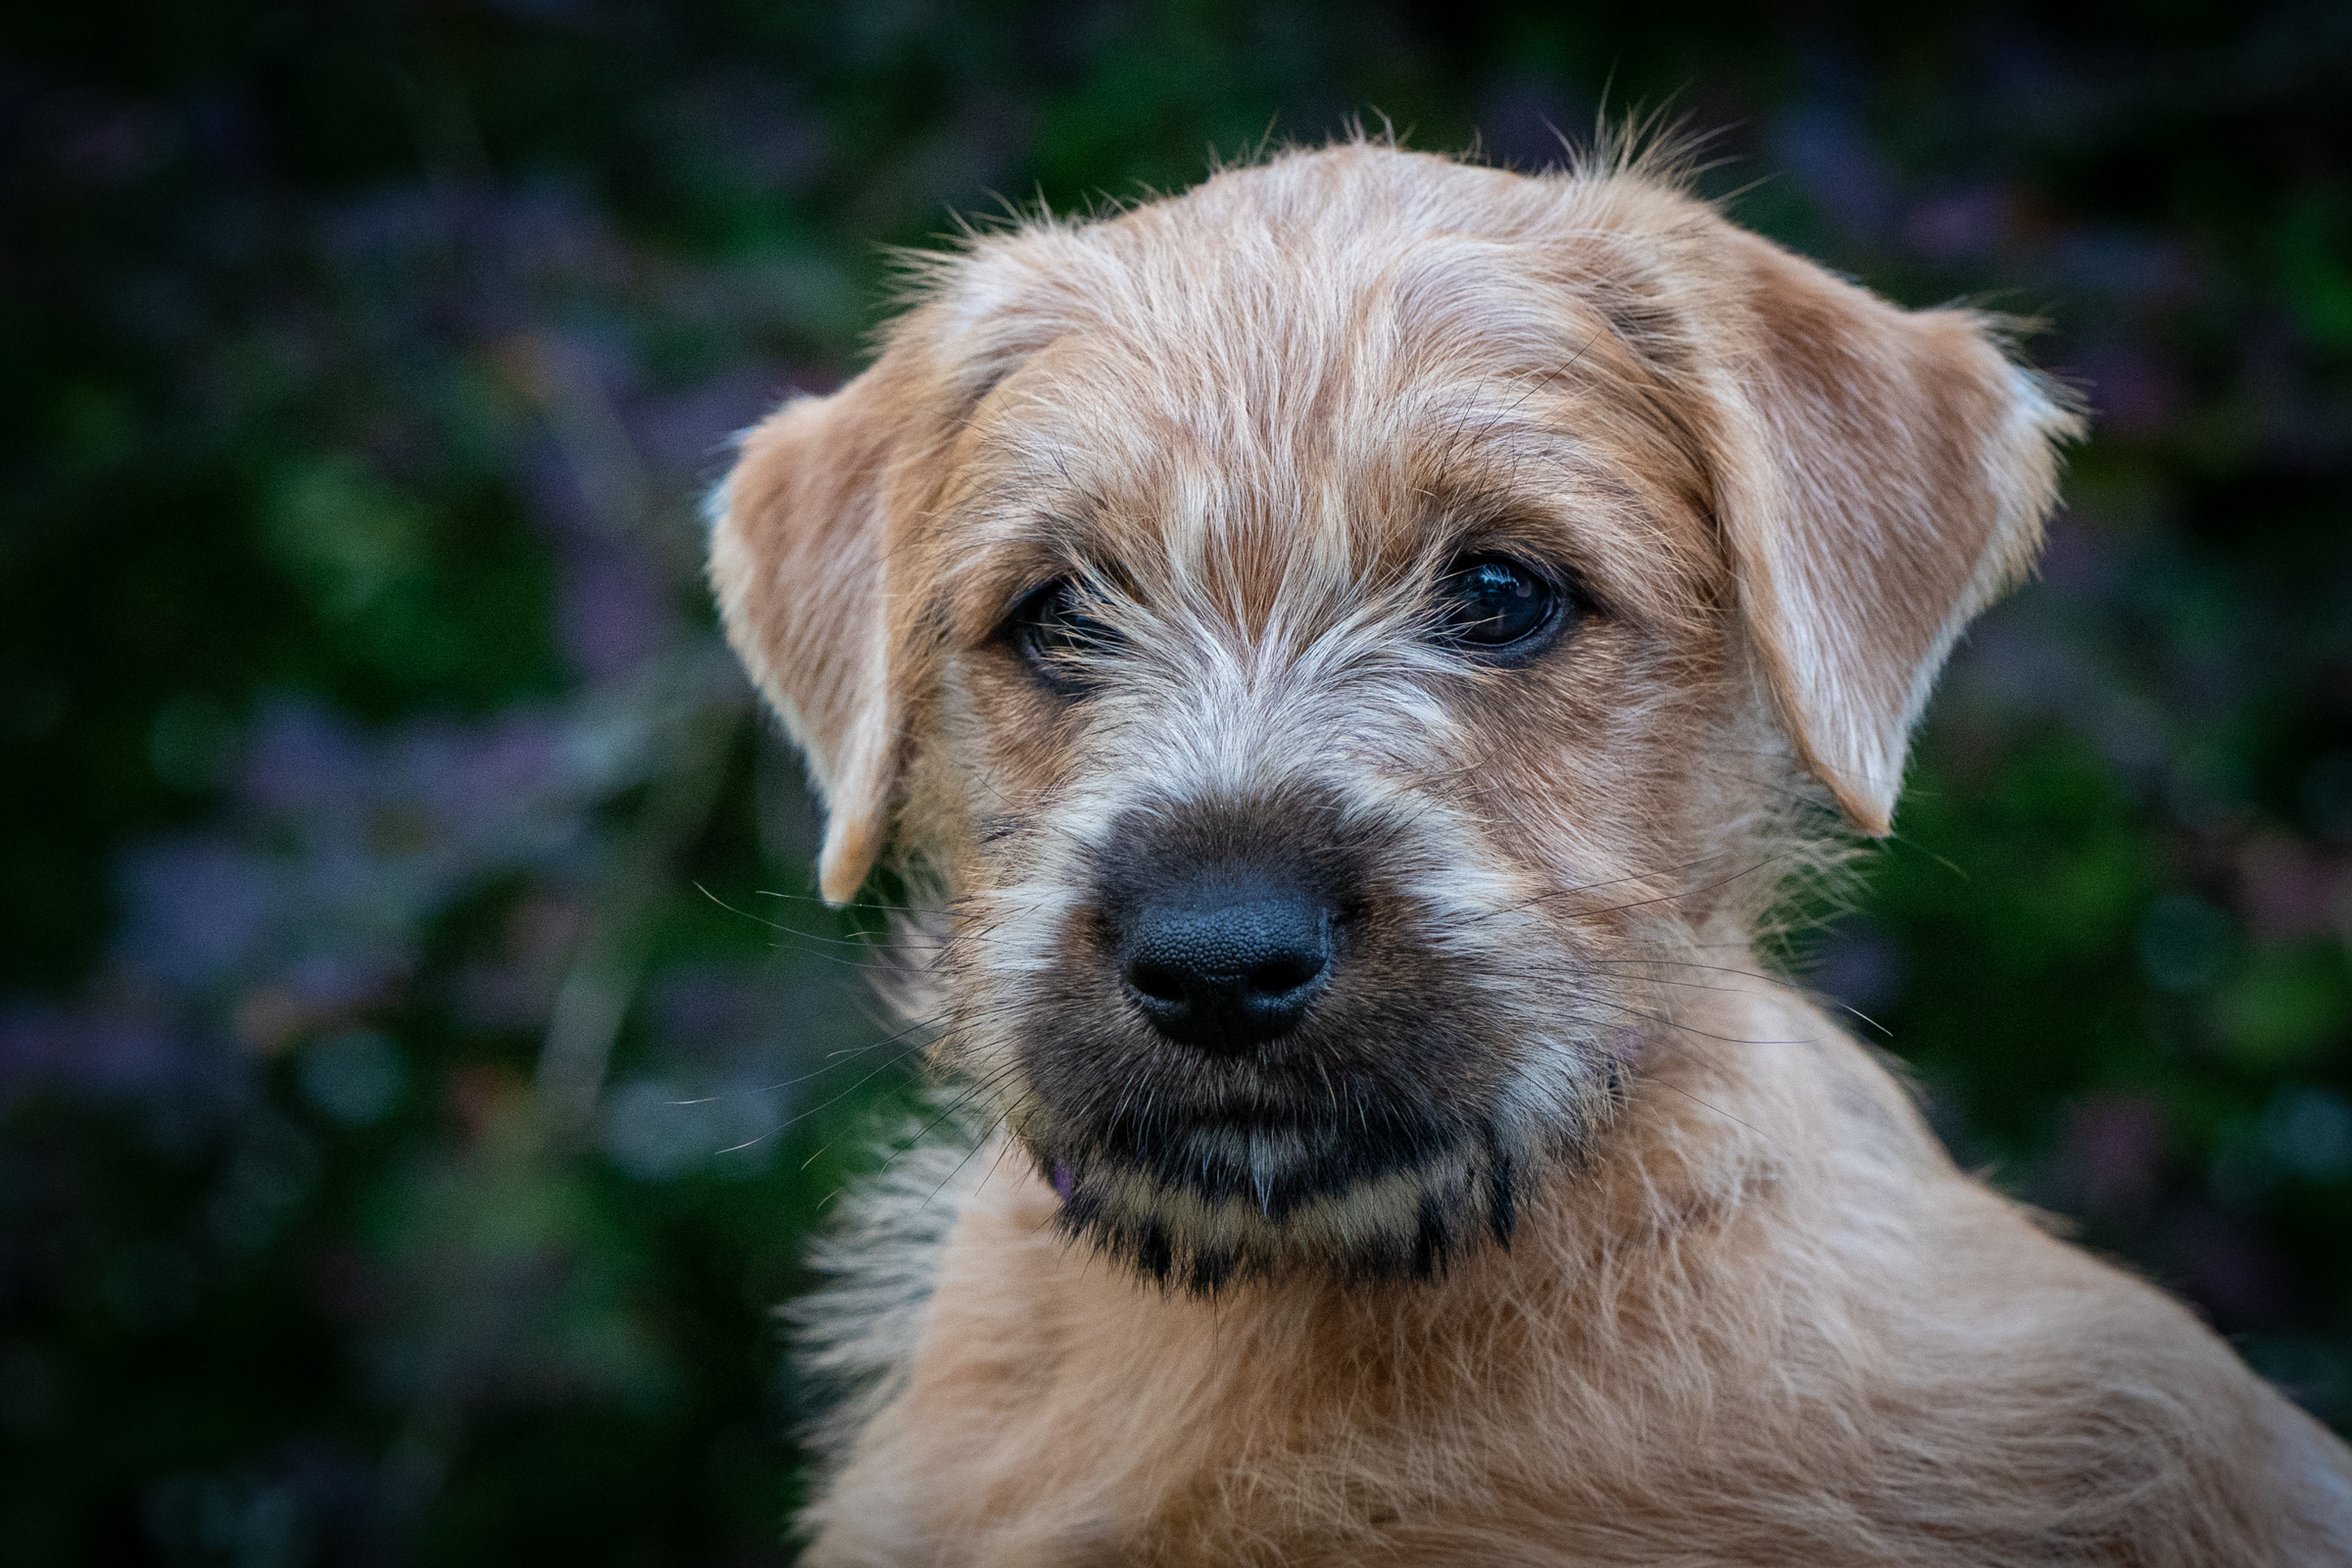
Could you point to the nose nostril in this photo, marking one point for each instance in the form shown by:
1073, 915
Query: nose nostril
1156, 981
1280, 976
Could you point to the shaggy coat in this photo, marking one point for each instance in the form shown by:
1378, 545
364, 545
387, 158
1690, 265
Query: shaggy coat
1556, 1231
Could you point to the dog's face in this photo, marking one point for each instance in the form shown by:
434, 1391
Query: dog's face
1323, 708
1336, 637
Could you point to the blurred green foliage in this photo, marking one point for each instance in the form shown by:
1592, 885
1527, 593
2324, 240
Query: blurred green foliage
411, 1099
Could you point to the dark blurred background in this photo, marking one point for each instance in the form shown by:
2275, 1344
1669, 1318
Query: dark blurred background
419, 1059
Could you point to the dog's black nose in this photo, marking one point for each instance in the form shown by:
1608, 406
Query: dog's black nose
1222, 967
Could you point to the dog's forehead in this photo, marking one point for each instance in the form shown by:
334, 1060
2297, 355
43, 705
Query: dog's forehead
1241, 391
1311, 362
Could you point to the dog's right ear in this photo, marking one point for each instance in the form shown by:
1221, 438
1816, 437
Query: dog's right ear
797, 547
825, 496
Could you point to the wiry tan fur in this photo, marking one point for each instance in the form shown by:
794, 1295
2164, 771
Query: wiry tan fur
1685, 1280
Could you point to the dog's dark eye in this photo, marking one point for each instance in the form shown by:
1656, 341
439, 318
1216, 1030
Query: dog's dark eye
1494, 604
1058, 636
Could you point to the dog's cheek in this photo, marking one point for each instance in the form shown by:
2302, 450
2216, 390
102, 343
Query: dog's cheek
1593, 756
1610, 774
1015, 736
1021, 963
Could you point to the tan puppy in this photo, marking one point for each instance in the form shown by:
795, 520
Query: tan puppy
1349, 654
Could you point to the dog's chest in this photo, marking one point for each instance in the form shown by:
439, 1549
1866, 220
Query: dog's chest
1061, 1412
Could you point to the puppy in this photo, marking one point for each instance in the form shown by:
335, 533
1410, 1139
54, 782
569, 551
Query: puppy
1345, 658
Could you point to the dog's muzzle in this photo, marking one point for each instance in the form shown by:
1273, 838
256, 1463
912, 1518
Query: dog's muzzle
1253, 1057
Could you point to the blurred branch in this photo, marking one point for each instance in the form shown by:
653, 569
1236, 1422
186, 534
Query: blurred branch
593, 999
622, 498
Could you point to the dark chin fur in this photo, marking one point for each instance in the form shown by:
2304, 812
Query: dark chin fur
1330, 1159
1197, 1228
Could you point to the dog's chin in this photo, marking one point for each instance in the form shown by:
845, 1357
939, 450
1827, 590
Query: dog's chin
1218, 1204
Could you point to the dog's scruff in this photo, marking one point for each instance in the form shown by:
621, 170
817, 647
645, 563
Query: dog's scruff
1346, 656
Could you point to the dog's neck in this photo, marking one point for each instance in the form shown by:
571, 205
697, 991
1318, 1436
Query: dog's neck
1719, 1105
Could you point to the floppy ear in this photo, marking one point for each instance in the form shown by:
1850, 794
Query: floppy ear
1881, 476
824, 500
798, 554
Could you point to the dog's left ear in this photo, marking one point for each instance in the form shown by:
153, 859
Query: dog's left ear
1880, 476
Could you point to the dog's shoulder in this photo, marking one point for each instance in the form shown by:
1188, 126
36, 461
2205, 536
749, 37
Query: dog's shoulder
2315, 1471
855, 1337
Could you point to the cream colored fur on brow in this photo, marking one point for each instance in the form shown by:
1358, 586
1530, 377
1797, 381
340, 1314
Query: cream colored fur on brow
1751, 1313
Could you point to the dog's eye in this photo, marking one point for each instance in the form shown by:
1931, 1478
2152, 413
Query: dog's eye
1058, 636
1495, 603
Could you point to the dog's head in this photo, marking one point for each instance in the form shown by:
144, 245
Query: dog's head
1336, 637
